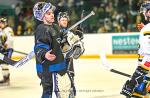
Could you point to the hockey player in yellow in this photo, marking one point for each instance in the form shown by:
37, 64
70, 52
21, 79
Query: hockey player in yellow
137, 86
6, 48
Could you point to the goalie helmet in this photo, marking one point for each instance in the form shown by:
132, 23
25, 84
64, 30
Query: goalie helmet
63, 15
41, 8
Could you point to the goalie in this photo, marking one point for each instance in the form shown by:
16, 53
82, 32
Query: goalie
71, 45
138, 85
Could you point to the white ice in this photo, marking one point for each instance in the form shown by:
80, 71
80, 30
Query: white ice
92, 80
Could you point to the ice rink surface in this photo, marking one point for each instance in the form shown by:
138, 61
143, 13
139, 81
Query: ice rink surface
92, 80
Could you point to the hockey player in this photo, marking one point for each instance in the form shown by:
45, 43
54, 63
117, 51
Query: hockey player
50, 60
72, 46
6, 48
63, 21
138, 85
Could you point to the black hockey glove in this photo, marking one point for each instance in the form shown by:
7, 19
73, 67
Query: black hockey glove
137, 78
79, 32
2, 49
63, 36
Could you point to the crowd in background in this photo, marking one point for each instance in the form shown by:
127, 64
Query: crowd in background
111, 15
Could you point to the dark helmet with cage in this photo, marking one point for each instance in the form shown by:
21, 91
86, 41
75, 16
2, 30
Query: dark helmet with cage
144, 8
63, 15
41, 8
3, 20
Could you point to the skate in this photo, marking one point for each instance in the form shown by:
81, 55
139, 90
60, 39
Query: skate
5, 81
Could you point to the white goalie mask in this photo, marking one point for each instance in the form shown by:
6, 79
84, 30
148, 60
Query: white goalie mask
41, 8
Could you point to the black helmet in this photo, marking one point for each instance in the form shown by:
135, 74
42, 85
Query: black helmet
3, 20
63, 15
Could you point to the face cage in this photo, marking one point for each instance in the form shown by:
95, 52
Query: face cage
65, 15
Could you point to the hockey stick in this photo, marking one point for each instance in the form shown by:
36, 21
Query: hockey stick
72, 94
17, 63
25, 59
82, 20
21, 52
31, 54
109, 67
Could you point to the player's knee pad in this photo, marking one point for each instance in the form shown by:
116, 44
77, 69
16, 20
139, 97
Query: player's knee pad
63, 84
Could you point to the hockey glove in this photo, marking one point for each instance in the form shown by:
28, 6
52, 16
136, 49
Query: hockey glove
79, 32
140, 26
136, 79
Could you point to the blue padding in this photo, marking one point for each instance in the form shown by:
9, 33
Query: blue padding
39, 68
58, 67
41, 45
53, 67
10, 51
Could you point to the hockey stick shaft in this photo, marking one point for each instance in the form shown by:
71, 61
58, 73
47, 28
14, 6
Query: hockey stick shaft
73, 26
31, 54
25, 59
120, 73
109, 67
9, 61
21, 52
82, 20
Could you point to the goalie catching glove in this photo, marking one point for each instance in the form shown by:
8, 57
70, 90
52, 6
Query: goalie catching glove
72, 46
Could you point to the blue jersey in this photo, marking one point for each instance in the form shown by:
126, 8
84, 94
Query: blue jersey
47, 38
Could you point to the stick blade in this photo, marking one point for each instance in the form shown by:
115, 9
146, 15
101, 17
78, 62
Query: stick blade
25, 59
104, 60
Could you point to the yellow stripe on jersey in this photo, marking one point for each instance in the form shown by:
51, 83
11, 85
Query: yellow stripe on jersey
146, 32
12, 33
137, 95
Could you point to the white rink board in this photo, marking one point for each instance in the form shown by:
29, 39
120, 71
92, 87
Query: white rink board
93, 43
